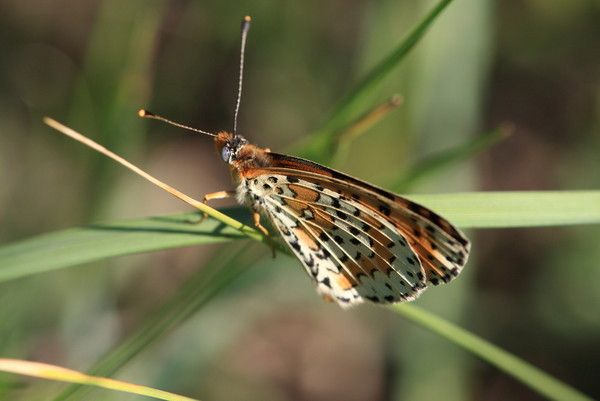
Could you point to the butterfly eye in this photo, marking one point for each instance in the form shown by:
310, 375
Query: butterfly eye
226, 154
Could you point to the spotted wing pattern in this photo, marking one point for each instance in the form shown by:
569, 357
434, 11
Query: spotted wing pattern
442, 248
351, 252
357, 241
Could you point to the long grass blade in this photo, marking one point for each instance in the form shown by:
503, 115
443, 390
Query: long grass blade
516, 209
353, 105
99, 241
526, 373
57, 373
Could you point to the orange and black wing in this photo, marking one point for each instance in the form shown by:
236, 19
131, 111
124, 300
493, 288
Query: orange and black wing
442, 250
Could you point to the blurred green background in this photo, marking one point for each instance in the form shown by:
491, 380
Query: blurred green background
93, 64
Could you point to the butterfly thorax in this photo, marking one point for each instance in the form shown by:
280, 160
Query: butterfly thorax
244, 159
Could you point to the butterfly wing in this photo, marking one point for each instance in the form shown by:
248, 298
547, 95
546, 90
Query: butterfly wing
317, 200
351, 253
442, 249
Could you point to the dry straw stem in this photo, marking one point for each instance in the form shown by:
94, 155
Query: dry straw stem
204, 208
370, 118
57, 373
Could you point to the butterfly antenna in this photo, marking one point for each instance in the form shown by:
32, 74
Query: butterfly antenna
245, 29
147, 114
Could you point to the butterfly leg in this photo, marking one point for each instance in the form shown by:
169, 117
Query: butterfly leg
262, 229
213, 196
327, 298
256, 219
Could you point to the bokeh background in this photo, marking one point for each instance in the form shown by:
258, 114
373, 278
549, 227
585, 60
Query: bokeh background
535, 292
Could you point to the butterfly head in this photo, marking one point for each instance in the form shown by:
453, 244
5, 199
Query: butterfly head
241, 155
233, 148
229, 146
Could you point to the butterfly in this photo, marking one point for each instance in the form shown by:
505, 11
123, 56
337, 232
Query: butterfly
356, 241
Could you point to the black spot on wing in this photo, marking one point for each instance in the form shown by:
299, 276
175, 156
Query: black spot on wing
385, 209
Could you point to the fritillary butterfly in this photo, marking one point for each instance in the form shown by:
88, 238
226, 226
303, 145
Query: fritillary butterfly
356, 241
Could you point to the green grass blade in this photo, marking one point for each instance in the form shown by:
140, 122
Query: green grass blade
98, 241
526, 373
94, 242
354, 104
516, 209
444, 159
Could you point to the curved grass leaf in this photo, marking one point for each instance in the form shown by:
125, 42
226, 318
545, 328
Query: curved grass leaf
526, 373
316, 146
57, 373
98, 241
